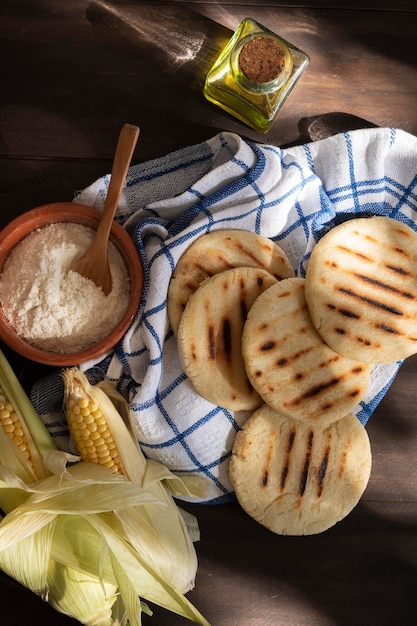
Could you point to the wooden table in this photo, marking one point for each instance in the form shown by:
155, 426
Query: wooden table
72, 73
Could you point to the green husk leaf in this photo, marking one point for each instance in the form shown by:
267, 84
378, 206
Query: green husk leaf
42, 507
147, 582
89, 533
131, 600
87, 499
187, 485
79, 545
16, 527
81, 473
30, 572
191, 524
171, 553
85, 598
56, 461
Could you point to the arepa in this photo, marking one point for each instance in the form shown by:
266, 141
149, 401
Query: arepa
210, 333
218, 251
290, 365
296, 478
361, 289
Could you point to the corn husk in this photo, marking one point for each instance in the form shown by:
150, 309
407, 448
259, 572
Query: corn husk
170, 548
99, 551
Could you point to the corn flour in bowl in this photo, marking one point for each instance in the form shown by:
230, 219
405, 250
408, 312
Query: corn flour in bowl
55, 310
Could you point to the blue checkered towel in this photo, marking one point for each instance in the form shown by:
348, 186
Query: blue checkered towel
291, 195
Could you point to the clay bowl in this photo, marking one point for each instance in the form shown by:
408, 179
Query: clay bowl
17, 229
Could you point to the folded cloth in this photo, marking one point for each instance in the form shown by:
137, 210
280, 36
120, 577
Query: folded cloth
291, 195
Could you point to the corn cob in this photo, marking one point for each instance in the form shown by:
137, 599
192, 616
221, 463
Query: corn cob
99, 429
12, 426
16, 413
91, 433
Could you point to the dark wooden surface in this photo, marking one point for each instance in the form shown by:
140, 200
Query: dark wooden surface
72, 72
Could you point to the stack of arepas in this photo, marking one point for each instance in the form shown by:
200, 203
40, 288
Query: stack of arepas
298, 353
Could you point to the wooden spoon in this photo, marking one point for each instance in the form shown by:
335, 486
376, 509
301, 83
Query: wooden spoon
94, 263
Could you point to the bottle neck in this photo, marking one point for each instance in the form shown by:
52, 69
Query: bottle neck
261, 63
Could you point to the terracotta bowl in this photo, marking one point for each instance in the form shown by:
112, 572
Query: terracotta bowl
17, 229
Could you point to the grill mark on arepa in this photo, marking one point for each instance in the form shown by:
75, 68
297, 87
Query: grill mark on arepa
306, 467
366, 342
191, 285
268, 459
349, 314
227, 339
385, 286
211, 342
321, 475
388, 329
317, 389
246, 449
362, 340
368, 237
248, 253
322, 388
202, 268
333, 358
361, 255
398, 270
269, 345
286, 466
343, 459
374, 303
285, 360
344, 312
222, 260
322, 472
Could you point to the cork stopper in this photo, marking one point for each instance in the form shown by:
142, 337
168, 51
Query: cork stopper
261, 59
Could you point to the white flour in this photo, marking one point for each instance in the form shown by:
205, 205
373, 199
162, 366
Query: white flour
51, 307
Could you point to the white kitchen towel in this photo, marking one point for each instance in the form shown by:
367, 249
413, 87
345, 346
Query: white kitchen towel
291, 195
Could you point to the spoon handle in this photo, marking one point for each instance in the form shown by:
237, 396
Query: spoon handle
124, 151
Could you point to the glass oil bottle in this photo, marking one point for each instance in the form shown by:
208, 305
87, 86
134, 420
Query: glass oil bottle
254, 75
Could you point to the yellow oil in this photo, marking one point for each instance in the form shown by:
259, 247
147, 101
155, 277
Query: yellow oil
255, 105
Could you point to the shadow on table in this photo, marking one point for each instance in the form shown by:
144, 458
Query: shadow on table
358, 572
181, 44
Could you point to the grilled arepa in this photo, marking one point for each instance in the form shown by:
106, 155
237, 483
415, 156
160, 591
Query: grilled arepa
361, 289
215, 252
210, 332
296, 478
290, 365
